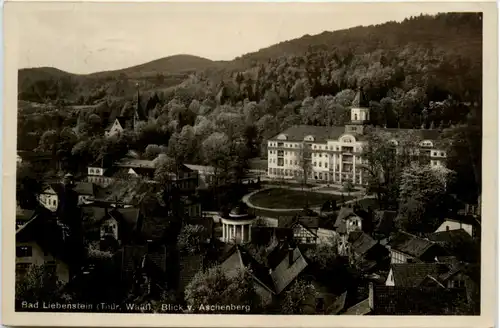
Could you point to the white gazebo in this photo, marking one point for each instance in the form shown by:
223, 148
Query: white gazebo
236, 226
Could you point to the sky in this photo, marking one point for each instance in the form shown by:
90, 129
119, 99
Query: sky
89, 37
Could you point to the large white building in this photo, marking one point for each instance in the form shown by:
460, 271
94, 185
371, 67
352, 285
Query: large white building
334, 152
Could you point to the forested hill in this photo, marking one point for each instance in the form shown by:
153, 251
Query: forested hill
441, 53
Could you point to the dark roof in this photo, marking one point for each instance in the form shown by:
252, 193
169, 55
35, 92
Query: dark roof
52, 236
361, 308
240, 258
360, 100
389, 300
360, 242
410, 244
285, 273
134, 254
451, 237
84, 188
34, 155
308, 222
190, 265
320, 133
412, 274
24, 215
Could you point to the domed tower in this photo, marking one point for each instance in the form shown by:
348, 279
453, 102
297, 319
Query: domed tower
237, 225
360, 113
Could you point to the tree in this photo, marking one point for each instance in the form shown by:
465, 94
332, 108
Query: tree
214, 287
152, 151
300, 298
348, 187
324, 255
305, 164
217, 153
422, 197
39, 283
165, 169
191, 239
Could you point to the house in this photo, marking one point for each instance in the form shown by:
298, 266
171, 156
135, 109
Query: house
414, 274
206, 175
44, 241
459, 243
407, 248
191, 206
117, 226
117, 127
144, 268
305, 228
23, 216
469, 223
101, 172
393, 300
237, 259
350, 219
366, 252
52, 195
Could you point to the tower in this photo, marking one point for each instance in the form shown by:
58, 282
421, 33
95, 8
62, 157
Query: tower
137, 117
360, 113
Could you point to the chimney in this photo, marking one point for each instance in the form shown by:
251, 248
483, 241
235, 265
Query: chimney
290, 256
370, 296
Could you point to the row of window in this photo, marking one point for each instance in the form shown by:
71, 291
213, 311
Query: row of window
337, 177
320, 164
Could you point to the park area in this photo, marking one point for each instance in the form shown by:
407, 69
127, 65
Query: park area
280, 198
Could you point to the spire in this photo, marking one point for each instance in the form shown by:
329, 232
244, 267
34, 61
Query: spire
360, 100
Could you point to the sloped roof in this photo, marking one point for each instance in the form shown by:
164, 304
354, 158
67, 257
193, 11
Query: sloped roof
412, 274
133, 254
285, 273
389, 300
361, 242
320, 133
361, 308
360, 100
452, 237
24, 215
84, 188
385, 221
190, 265
239, 258
410, 244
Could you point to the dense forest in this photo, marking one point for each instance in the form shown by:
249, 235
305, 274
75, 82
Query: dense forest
424, 72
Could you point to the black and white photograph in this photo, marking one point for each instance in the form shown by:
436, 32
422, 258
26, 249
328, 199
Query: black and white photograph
280, 160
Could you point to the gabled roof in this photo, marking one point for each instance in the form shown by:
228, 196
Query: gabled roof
285, 273
389, 300
240, 259
297, 133
412, 274
343, 214
84, 188
410, 244
465, 219
361, 308
360, 242
452, 237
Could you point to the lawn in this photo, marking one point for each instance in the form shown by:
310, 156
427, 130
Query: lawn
285, 198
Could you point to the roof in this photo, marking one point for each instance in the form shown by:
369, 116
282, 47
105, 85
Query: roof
135, 163
453, 237
264, 235
200, 168
320, 133
23, 214
50, 235
410, 244
343, 214
389, 300
189, 266
465, 219
34, 155
239, 258
285, 272
360, 100
360, 242
361, 308
133, 254
84, 188
413, 274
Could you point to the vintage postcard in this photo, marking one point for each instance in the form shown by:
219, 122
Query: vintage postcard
250, 164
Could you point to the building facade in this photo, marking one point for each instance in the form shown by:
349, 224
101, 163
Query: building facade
333, 154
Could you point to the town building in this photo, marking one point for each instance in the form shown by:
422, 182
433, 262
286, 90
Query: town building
407, 248
122, 123
332, 154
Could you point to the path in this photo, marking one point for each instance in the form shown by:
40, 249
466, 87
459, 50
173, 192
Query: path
246, 200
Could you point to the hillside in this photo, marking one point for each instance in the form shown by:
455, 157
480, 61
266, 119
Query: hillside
446, 48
